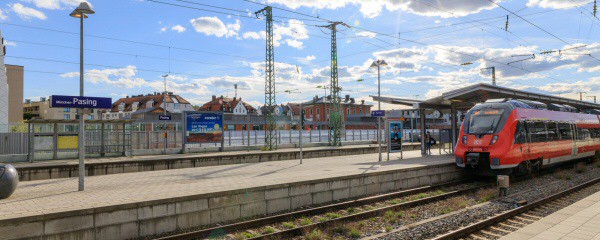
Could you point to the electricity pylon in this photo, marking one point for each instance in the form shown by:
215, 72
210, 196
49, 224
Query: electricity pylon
270, 103
336, 118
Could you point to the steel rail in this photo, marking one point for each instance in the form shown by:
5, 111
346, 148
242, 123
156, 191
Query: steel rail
219, 230
514, 212
363, 215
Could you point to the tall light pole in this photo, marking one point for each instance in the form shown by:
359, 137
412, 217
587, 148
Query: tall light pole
81, 12
301, 122
165, 112
378, 65
325, 101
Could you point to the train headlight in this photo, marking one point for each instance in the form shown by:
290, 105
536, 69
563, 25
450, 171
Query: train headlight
494, 139
465, 138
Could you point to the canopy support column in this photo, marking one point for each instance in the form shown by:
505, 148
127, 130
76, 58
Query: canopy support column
423, 130
453, 126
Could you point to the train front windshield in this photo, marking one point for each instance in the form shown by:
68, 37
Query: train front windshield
484, 121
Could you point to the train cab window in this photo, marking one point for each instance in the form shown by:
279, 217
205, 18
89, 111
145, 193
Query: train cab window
537, 131
565, 131
520, 133
552, 131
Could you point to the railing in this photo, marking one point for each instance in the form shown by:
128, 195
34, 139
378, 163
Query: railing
56, 141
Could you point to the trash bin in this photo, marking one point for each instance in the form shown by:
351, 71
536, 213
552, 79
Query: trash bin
8, 180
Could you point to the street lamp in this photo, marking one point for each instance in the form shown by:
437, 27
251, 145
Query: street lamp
81, 12
325, 100
165, 112
301, 122
377, 64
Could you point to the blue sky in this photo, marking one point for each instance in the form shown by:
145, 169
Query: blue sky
132, 43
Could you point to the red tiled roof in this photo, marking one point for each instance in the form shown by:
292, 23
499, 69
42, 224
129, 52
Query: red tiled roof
142, 100
225, 104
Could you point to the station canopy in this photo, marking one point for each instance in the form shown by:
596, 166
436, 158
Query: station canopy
467, 97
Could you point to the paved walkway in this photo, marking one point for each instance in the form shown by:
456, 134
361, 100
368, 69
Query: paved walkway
59, 195
580, 220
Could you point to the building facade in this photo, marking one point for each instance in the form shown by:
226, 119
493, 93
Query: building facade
355, 114
15, 78
41, 110
232, 106
148, 107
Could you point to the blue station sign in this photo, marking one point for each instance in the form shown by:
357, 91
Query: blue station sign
58, 101
164, 117
378, 113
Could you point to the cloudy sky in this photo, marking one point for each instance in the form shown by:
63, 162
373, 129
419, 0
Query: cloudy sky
206, 47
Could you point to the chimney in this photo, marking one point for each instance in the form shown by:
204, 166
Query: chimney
347, 98
362, 102
352, 100
42, 99
214, 97
234, 98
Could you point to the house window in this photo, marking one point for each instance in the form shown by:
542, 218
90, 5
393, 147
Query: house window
91, 117
176, 105
349, 111
67, 109
67, 116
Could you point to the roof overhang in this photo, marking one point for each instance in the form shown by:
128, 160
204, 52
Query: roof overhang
469, 96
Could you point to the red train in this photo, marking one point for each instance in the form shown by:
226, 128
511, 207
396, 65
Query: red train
518, 136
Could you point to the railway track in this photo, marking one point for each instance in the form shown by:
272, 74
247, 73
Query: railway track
507, 222
421, 195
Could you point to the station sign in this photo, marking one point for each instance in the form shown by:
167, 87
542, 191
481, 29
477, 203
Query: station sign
164, 117
59, 101
378, 113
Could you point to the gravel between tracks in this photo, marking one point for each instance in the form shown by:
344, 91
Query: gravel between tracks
528, 190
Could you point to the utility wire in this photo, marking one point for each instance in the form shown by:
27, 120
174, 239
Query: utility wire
106, 66
538, 27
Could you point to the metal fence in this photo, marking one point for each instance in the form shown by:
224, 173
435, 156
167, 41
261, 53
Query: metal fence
100, 140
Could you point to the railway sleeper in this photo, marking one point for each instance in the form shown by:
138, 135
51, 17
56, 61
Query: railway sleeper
524, 219
497, 229
519, 224
529, 215
505, 225
475, 236
490, 234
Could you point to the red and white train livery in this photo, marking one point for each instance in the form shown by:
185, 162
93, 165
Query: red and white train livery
505, 138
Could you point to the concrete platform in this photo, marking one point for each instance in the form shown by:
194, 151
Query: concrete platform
580, 220
53, 169
132, 205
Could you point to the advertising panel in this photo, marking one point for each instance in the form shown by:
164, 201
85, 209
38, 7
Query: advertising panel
203, 127
395, 140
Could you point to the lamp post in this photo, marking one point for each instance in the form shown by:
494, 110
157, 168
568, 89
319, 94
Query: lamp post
324, 87
81, 12
165, 113
378, 65
301, 122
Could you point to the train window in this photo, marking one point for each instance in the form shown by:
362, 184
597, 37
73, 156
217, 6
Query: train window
537, 131
583, 134
520, 133
565, 131
595, 133
552, 131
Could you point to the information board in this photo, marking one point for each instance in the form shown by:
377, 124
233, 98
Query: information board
395, 137
203, 127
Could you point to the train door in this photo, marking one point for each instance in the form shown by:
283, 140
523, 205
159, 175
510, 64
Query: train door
522, 137
574, 150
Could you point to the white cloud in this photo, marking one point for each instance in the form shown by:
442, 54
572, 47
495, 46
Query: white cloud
310, 58
557, 4
254, 35
163, 29
291, 34
178, 28
366, 34
55, 4
9, 43
3, 15
371, 9
294, 43
26, 12
214, 26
